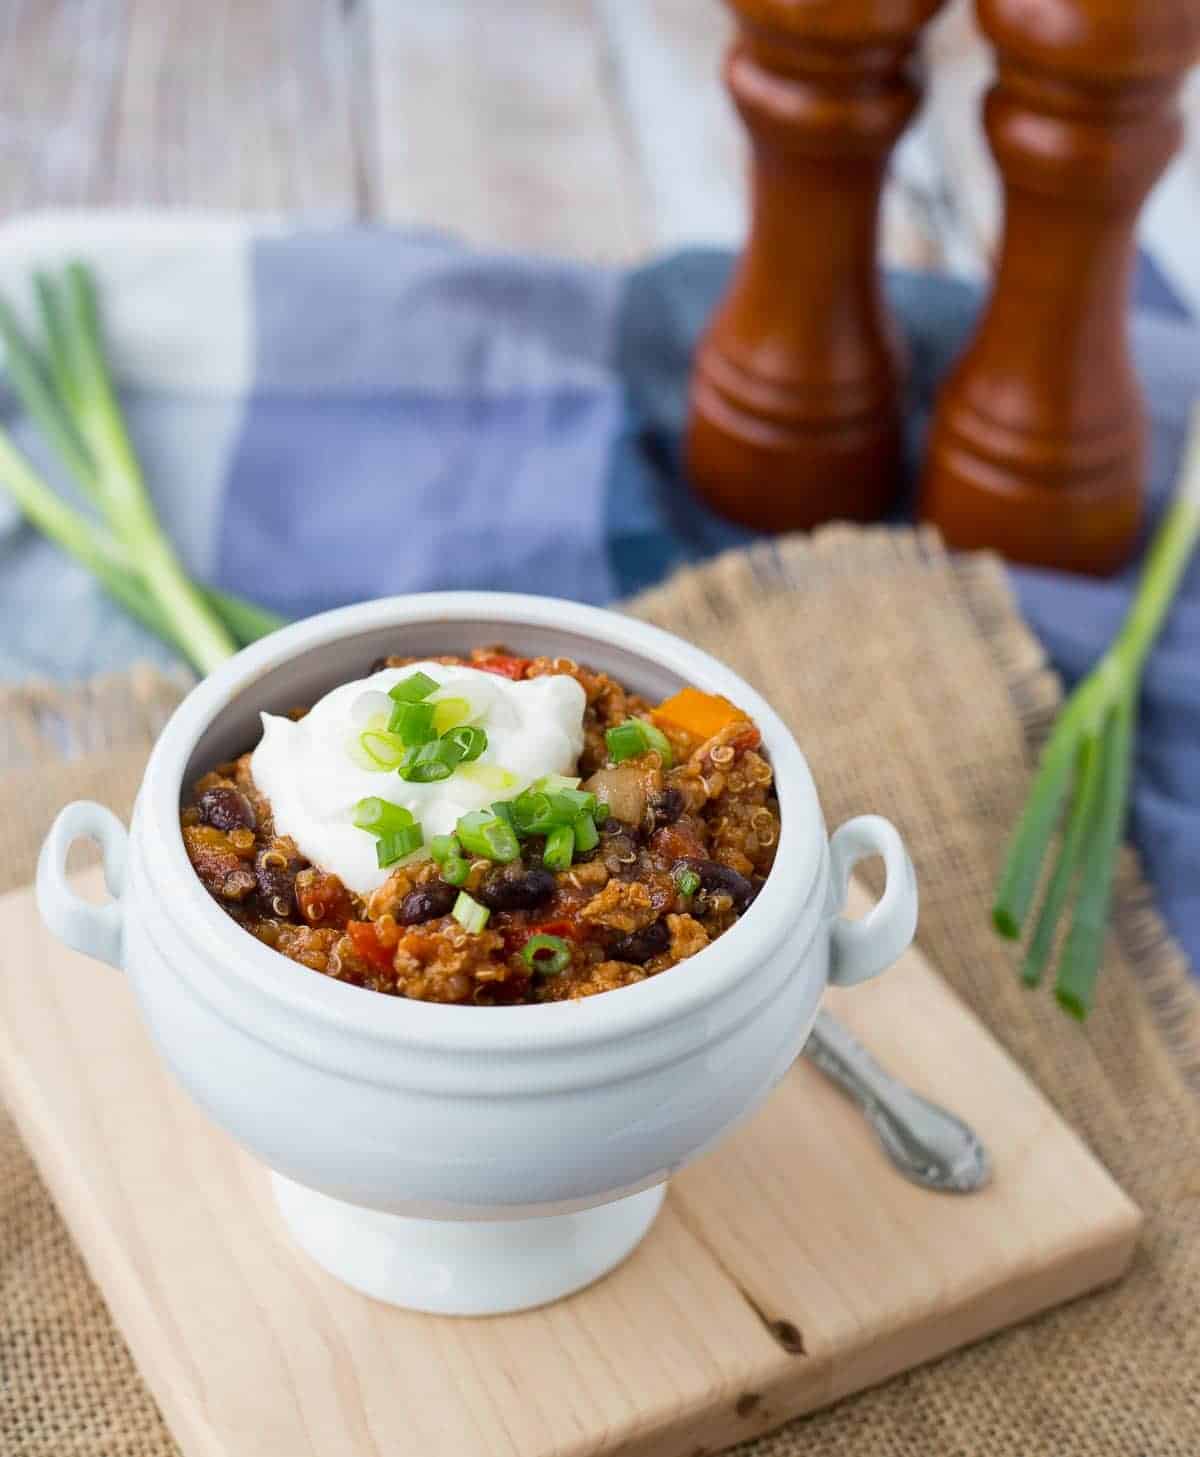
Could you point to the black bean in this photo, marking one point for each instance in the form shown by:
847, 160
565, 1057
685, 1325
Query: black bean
276, 876
666, 806
640, 946
523, 890
717, 879
426, 903
226, 808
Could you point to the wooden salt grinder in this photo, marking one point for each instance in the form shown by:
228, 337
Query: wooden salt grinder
794, 412
1039, 440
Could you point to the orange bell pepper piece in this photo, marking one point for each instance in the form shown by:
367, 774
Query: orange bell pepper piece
699, 714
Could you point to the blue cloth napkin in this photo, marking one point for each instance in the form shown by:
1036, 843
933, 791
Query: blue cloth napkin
327, 416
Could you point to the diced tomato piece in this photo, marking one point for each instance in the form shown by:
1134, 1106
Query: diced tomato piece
368, 945
515, 937
503, 665
569, 929
323, 899
749, 738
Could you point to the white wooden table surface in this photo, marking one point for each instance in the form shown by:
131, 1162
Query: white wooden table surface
594, 128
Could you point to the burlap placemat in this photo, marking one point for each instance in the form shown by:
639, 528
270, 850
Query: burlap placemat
916, 692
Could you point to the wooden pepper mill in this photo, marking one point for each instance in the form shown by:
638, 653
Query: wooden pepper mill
1039, 440
795, 411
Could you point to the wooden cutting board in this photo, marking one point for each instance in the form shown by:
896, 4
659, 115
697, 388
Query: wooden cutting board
788, 1268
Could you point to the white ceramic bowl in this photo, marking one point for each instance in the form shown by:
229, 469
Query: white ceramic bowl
468, 1159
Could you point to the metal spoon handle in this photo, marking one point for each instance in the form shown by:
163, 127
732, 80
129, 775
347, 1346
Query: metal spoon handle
926, 1143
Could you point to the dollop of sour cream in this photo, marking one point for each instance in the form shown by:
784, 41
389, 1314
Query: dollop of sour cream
314, 774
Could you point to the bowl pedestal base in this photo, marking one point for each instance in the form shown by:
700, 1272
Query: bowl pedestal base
453, 1267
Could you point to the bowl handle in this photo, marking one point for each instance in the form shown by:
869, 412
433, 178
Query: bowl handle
93, 929
862, 949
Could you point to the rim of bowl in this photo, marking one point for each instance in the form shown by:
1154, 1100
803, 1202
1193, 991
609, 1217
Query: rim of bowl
665, 997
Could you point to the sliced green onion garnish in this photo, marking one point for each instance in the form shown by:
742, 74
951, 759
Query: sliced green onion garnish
380, 817
587, 836
551, 783
471, 741
359, 757
569, 804
469, 914
485, 834
627, 740
688, 882
532, 814
455, 870
503, 811
535, 813
601, 812
443, 848
635, 736
412, 723
489, 776
430, 763
412, 689
547, 954
658, 741
384, 750
560, 847
396, 844
448, 713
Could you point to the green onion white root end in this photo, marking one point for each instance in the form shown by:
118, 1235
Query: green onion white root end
69, 394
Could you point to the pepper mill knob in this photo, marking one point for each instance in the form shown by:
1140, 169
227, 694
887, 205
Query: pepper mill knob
1039, 439
794, 410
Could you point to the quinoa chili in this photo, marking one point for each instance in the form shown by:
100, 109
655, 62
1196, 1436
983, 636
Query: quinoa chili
676, 830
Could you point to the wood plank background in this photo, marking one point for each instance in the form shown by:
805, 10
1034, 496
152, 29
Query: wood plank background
594, 128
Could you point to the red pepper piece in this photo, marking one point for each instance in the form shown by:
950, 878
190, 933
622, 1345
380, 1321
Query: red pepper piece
555, 928
322, 898
504, 666
515, 937
368, 945
749, 738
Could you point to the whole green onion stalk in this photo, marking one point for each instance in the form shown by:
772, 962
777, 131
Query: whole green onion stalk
1084, 774
69, 393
